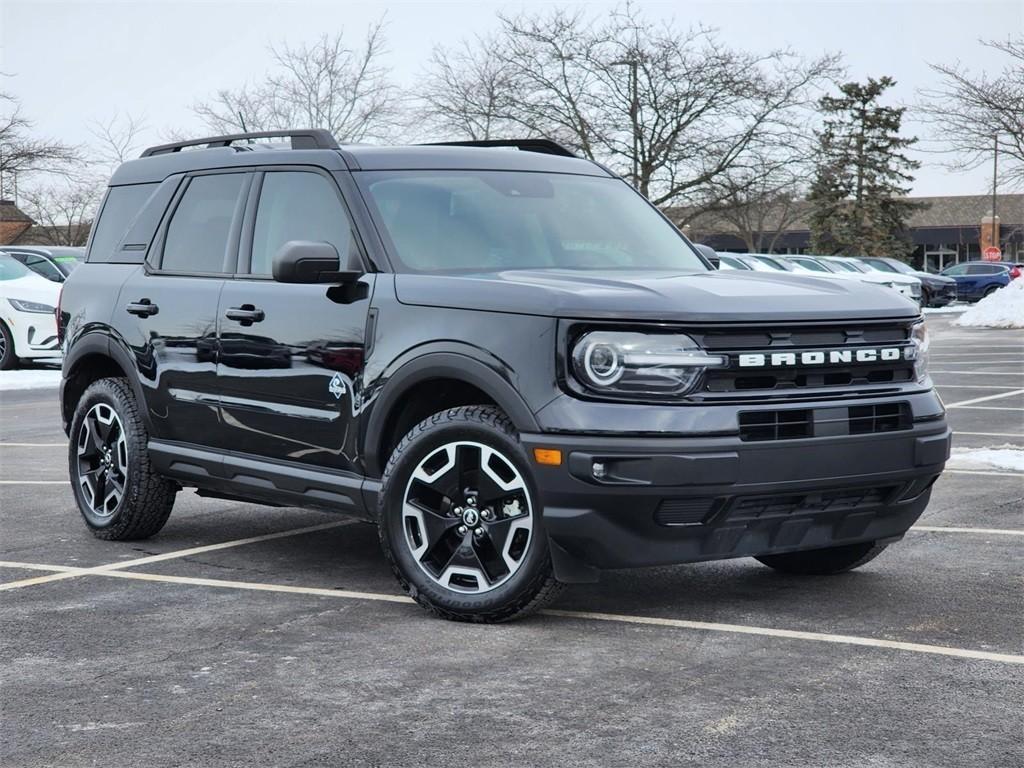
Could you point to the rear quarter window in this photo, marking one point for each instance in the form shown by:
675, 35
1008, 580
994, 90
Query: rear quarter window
120, 207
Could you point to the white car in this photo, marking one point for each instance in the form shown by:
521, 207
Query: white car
28, 326
907, 285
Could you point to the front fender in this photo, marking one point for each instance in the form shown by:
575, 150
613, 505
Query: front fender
461, 362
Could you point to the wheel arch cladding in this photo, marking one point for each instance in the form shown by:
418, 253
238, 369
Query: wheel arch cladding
90, 359
432, 383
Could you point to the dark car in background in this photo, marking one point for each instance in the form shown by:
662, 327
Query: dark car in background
936, 290
977, 279
52, 262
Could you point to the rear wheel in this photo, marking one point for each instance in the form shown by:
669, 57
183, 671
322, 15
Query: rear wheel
8, 359
460, 520
118, 493
990, 290
824, 562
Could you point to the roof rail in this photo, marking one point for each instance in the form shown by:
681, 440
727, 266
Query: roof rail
544, 146
310, 138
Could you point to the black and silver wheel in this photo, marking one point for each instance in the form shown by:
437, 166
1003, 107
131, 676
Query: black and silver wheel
824, 562
102, 453
117, 491
8, 359
460, 521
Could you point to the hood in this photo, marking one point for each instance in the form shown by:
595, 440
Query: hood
31, 288
732, 296
929, 278
890, 277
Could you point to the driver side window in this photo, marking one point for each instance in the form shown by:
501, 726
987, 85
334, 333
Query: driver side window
298, 205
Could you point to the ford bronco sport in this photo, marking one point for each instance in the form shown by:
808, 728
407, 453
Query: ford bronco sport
498, 352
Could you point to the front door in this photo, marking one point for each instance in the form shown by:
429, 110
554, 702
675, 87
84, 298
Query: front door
170, 307
291, 356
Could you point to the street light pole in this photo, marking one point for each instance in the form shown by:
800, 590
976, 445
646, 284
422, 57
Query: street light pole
995, 177
634, 111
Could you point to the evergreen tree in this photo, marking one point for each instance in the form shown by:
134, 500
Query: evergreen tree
858, 197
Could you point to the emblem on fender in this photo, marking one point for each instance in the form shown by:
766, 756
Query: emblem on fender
337, 386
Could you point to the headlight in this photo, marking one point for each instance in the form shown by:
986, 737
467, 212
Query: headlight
31, 306
918, 351
645, 364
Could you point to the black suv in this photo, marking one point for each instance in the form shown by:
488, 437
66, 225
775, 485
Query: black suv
498, 352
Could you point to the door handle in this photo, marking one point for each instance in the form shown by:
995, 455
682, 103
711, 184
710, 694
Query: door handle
246, 314
142, 308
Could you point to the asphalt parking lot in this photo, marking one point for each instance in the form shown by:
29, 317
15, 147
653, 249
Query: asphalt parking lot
244, 635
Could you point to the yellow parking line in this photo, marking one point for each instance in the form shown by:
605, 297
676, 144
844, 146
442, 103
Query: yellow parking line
67, 572
35, 482
973, 400
705, 626
955, 529
33, 445
821, 637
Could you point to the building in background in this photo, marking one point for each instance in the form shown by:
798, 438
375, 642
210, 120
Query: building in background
13, 222
946, 231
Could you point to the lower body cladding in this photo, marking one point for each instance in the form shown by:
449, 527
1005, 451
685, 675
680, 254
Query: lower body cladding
621, 502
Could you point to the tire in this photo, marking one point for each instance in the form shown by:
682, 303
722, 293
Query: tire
108, 458
824, 562
926, 298
989, 291
8, 360
471, 476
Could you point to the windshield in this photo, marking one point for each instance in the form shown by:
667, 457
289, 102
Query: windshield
728, 262
840, 266
11, 268
480, 221
811, 264
880, 266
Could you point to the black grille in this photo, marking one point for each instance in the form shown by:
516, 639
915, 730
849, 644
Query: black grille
672, 512
788, 505
793, 424
796, 339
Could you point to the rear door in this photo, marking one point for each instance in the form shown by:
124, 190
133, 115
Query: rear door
169, 306
291, 356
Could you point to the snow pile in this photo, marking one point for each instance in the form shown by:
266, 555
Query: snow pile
40, 378
1002, 309
950, 309
1004, 457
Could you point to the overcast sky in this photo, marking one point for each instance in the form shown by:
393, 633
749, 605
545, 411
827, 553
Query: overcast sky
76, 62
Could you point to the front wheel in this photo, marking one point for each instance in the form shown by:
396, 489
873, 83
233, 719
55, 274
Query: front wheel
824, 562
8, 359
460, 520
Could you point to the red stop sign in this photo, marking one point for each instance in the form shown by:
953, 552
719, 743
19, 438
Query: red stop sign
991, 253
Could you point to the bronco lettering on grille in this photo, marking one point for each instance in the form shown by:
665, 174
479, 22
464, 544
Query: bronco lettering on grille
822, 357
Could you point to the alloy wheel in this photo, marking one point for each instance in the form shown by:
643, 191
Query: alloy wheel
102, 460
467, 517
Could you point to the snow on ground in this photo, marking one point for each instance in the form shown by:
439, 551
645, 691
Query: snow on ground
1003, 458
34, 378
949, 309
1002, 309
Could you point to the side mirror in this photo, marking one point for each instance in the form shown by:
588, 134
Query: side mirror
303, 261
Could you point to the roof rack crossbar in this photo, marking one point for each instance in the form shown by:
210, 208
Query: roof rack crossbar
544, 146
310, 138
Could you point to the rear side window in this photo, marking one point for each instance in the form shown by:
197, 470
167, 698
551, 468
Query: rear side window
297, 205
120, 208
198, 234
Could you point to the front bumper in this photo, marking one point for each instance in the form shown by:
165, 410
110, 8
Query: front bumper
34, 334
942, 294
665, 500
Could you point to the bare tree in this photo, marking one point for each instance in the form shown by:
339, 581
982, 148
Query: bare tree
327, 85
969, 110
117, 140
671, 111
465, 91
761, 202
22, 154
62, 211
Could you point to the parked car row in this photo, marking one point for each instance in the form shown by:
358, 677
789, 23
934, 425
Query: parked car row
829, 268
